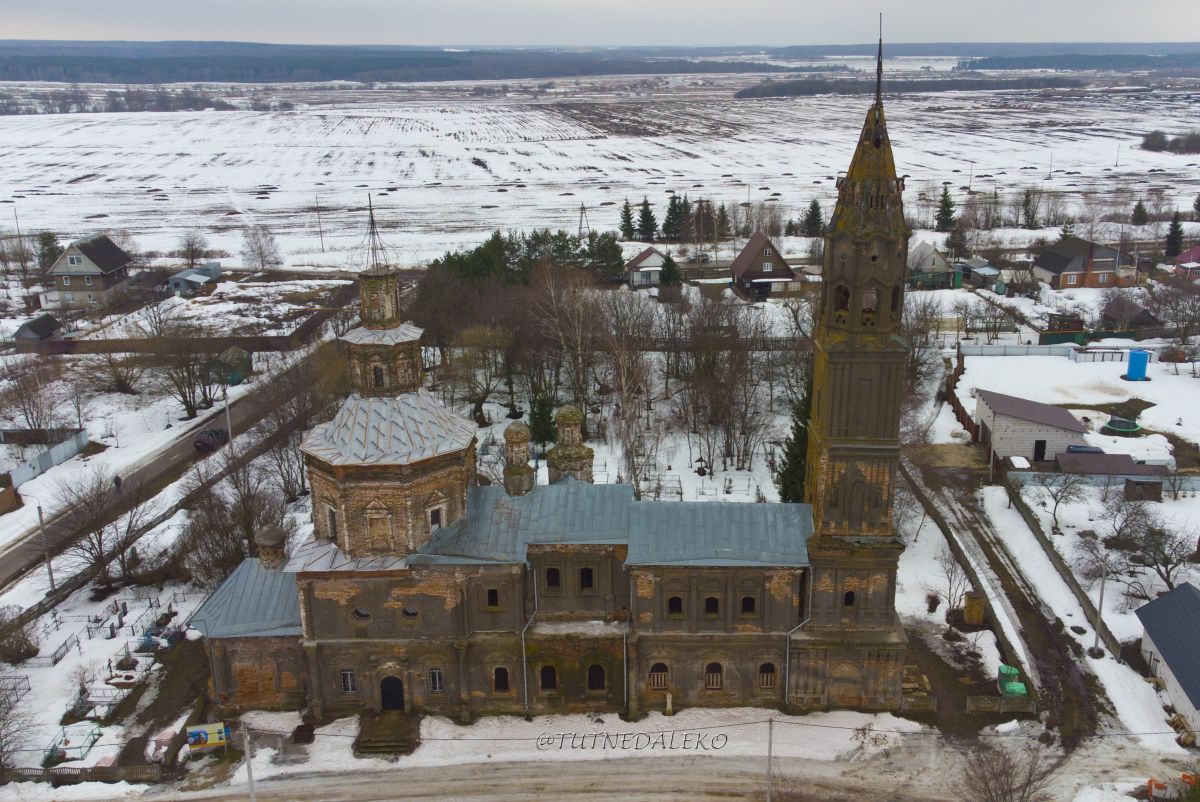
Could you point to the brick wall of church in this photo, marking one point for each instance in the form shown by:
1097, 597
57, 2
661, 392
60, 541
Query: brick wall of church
258, 673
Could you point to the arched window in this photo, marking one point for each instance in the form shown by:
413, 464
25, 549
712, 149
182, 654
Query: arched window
552, 578
675, 605
549, 678
766, 675
841, 298
377, 374
747, 605
596, 678
500, 680
714, 677
660, 677
585, 578
870, 300
896, 294
848, 598
712, 605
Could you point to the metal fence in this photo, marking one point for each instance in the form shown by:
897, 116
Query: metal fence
55, 455
1001, 704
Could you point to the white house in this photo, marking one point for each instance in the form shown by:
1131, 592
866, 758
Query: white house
645, 269
1171, 648
1017, 427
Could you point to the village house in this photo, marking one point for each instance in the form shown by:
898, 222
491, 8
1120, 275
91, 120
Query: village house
90, 272
759, 270
42, 328
190, 280
1171, 649
1073, 263
645, 269
1017, 427
928, 269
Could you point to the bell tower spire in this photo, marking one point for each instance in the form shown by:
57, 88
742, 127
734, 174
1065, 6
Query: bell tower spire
879, 66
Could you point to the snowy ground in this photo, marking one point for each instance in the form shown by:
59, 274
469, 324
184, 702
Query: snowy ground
446, 172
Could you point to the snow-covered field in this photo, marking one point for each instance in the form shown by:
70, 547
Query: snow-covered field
444, 173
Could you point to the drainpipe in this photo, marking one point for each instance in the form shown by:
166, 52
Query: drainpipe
625, 642
524, 658
787, 646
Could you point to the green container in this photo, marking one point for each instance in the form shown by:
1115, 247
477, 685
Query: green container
1014, 689
1008, 673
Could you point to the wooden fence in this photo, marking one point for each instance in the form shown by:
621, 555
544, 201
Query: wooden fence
1001, 704
919, 704
1089, 608
72, 775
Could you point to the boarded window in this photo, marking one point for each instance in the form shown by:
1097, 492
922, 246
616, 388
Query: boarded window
766, 675
660, 677
714, 677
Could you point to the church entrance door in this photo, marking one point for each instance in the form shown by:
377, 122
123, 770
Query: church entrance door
391, 693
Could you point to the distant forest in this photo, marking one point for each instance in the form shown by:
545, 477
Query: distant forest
279, 64
1084, 61
819, 86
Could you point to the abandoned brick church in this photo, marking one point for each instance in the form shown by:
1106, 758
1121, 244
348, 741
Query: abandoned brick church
421, 590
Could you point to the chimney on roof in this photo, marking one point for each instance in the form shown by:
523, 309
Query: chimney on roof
570, 457
518, 475
271, 543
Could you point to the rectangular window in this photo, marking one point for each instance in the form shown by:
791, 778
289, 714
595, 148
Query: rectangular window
766, 251
493, 598
91, 298
66, 281
349, 685
331, 519
586, 581
436, 684
74, 260
768, 267
1071, 279
69, 297
87, 280
435, 519
1104, 278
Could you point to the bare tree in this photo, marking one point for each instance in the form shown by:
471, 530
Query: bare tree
87, 498
15, 726
476, 366
180, 359
951, 582
1003, 773
1059, 488
568, 310
1166, 548
1176, 302
259, 249
192, 247
629, 322
33, 395
18, 641
115, 372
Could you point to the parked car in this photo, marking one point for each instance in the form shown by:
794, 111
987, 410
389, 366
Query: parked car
210, 440
699, 257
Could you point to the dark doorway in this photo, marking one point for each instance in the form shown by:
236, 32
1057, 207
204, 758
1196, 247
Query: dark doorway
1039, 450
391, 693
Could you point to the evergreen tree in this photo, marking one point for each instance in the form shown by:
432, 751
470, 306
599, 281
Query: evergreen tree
670, 275
627, 221
1068, 230
790, 479
672, 220
48, 250
1139, 216
789, 230
945, 213
814, 220
1174, 237
1029, 209
1196, 208
956, 243
647, 225
541, 421
603, 254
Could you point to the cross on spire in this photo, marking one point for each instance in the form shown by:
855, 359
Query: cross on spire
377, 251
879, 64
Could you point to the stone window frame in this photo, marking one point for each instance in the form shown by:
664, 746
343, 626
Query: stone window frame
374, 512
716, 606
753, 611
659, 680
487, 599
348, 681
549, 589
331, 522
589, 677
437, 681
849, 598
554, 672
714, 680
378, 376
682, 606
590, 588
768, 676
440, 504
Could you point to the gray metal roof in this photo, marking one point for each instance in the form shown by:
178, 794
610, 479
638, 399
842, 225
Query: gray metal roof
717, 533
322, 555
398, 430
252, 602
404, 333
1173, 622
499, 527
1034, 411
1105, 465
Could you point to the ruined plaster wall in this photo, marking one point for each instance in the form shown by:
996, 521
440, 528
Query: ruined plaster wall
776, 593
258, 673
606, 599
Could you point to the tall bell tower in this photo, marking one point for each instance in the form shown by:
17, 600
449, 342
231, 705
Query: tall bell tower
852, 651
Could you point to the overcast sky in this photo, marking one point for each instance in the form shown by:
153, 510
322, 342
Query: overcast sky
601, 22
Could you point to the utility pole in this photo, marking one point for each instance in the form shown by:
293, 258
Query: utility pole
249, 761
320, 232
770, 749
1100, 606
45, 546
1117, 163
228, 419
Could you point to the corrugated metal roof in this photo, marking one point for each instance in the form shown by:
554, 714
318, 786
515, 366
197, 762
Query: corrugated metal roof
1173, 622
499, 527
1028, 410
1105, 465
251, 602
403, 333
398, 430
